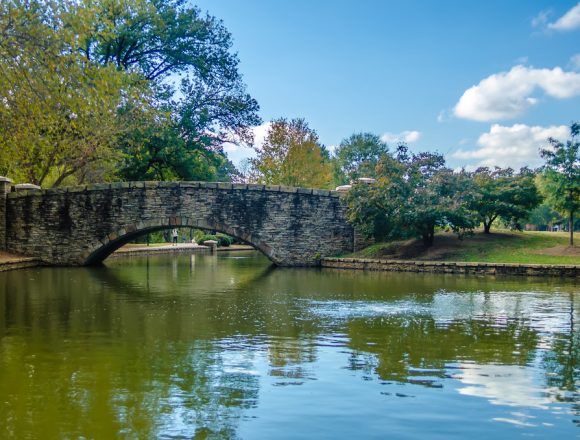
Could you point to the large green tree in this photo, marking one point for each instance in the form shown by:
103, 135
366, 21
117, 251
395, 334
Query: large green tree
413, 194
292, 155
357, 156
503, 194
560, 179
106, 89
172, 42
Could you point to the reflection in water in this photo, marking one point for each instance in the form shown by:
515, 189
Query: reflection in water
226, 346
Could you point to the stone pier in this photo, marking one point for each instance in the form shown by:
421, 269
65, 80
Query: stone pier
5, 188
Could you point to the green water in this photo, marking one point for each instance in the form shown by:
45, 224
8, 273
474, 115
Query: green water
228, 347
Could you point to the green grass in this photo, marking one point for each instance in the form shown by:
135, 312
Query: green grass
499, 247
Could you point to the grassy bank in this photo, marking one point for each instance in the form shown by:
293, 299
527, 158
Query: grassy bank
498, 247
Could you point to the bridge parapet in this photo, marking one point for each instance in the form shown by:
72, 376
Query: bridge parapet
25, 191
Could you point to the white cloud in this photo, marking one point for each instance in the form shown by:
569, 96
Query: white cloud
569, 21
404, 136
509, 94
514, 146
575, 61
260, 133
444, 115
509, 385
541, 19
522, 60
238, 153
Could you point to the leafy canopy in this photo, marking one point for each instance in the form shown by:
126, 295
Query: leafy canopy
291, 155
413, 194
503, 194
357, 156
560, 179
107, 89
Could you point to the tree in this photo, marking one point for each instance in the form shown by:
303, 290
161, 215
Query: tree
543, 216
357, 156
291, 155
561, 175
87, 93
159, 39
58, 116
413, 194
503, 194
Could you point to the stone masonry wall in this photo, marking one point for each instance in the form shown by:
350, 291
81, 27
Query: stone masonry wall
550, 270
5, 187
83, 225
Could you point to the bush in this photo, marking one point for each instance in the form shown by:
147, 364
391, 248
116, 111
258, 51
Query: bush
224, 240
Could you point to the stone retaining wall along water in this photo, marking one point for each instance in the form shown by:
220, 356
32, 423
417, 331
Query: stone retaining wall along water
544, 270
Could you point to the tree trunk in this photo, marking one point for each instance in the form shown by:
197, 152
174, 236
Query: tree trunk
486, 227
429, 237
571, 227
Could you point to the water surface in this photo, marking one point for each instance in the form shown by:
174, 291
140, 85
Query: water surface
227, 346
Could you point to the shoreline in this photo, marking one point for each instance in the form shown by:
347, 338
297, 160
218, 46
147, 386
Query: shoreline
453, 267
10, 262
181, 248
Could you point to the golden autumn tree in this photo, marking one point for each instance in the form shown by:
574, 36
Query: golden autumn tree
291, 155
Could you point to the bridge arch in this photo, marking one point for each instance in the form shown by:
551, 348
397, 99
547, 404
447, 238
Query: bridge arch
104, 247
82, 225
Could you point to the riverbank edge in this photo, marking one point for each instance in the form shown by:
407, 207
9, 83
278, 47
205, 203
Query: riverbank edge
19, 263
453, 267
180, 249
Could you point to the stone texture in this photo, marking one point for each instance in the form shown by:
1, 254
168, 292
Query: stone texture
5, 187
544, 270
83, 225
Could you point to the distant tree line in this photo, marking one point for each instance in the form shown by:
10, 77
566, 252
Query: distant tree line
414, 194
105, 90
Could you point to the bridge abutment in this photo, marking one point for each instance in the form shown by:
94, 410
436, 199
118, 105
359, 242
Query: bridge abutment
5, 188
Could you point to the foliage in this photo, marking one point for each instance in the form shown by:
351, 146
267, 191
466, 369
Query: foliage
543, 216
560, 179
291, 155
223, 240
85, 92
503, 194
58, 112
413, 194
163, 38
357, 156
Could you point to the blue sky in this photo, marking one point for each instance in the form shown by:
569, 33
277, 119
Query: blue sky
484, 83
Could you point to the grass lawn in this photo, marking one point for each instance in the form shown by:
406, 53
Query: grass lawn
497, 247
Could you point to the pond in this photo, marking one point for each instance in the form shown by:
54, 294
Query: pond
227, 346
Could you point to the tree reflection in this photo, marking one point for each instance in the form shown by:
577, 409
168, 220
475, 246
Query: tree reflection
175, 347
404, 346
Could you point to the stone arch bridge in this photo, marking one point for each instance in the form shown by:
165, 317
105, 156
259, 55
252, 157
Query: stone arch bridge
83, 225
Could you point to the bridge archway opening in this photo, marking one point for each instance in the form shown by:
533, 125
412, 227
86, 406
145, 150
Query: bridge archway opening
115, 240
